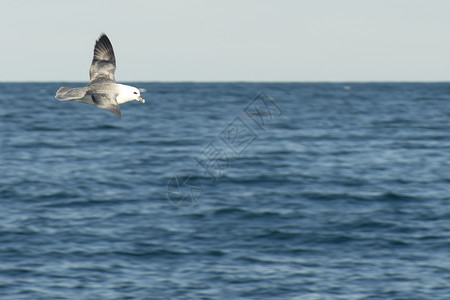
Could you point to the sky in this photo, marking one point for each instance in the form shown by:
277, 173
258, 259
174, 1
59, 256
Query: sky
233, 40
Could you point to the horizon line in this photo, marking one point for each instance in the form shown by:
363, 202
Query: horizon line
235, 81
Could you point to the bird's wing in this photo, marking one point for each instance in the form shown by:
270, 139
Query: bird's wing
104, 62
107, 102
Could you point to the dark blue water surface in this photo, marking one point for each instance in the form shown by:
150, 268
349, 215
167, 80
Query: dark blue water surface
215, 191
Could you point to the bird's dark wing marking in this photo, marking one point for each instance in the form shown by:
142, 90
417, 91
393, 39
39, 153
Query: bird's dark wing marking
107, 102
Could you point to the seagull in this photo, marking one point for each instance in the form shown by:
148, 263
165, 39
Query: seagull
102, 91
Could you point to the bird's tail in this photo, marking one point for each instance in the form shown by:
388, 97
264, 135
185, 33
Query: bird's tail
68, 93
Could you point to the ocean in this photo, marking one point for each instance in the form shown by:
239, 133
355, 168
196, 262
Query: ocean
227, 191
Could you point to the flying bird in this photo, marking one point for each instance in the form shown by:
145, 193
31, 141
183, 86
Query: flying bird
102, 91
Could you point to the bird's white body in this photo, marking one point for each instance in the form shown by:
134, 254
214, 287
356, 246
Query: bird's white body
125, 93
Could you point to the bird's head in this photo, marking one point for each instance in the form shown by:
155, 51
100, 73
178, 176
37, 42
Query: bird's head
137, 95
129, 93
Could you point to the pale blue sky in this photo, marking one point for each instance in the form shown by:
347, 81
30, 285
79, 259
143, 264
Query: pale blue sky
233, 40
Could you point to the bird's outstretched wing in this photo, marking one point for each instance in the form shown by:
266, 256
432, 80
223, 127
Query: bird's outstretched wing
107, 102
104, 63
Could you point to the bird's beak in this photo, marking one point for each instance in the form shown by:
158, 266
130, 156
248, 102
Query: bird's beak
141, 99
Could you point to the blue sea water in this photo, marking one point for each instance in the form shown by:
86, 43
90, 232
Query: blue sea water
227, 191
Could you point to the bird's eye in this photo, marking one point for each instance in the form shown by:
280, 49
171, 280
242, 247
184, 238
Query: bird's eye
135, 93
